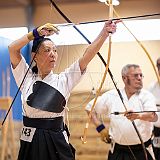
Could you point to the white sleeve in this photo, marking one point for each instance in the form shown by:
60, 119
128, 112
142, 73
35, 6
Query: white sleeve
101, 106
151, 87
157, 123
73, 75
148, 101
20, 71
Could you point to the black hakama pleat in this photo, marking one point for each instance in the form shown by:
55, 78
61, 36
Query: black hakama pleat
120, 154
46, 145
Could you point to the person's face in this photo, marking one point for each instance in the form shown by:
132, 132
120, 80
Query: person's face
158, 66
47, 56
133, 79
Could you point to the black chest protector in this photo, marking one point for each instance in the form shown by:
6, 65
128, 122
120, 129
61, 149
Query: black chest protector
46, 98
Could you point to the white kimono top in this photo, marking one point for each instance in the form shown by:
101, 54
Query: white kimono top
121, 129
63, 82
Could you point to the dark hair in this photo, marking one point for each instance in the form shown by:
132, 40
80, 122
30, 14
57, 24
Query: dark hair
37, 43
35, 47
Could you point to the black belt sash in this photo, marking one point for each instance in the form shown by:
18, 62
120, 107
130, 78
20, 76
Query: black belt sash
132, 147
46, 98
44, 123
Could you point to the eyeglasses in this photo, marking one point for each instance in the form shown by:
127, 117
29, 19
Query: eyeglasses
136, 75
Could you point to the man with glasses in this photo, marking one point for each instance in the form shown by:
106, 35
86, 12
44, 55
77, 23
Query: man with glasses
125, 142
155, 89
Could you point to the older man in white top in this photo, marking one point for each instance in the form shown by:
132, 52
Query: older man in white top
127, 145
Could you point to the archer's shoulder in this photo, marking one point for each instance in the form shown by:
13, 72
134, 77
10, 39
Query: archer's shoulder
112, 92
145, 92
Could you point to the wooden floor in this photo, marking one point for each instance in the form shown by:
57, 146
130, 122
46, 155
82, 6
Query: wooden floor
94, 149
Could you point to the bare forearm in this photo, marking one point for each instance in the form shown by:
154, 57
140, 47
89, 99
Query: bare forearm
92, 50
95, 46
94, 118
19, 44
14, 50
151, 117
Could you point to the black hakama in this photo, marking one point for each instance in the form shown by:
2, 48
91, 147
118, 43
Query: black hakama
47, 143
122, 152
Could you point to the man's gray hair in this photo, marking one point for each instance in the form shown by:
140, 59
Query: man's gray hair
127, 67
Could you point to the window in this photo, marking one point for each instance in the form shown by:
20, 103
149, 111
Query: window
142, 29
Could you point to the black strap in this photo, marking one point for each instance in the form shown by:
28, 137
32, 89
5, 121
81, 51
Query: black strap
132, 147
55, 124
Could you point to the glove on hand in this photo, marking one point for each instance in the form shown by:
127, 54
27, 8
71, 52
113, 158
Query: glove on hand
45, 30
104, 133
